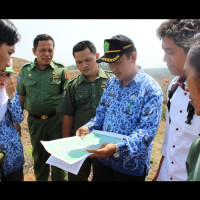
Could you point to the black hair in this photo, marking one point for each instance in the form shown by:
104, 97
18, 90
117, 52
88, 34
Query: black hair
194, 58
83, 45
40, 38
180, 30
8, 33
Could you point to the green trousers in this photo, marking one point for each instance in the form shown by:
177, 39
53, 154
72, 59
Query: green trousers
45, 130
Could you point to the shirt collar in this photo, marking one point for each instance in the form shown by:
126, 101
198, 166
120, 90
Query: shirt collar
35, 64
136, 79
101, 74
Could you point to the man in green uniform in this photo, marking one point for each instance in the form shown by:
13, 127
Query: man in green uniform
82, 96
40, 85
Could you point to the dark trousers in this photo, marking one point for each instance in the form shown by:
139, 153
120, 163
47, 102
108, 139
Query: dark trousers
15, 176
84, 171
103, 173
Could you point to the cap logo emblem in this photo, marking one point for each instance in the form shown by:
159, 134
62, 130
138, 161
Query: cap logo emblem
106, 46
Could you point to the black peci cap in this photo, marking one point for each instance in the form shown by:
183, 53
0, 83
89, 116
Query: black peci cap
115, 47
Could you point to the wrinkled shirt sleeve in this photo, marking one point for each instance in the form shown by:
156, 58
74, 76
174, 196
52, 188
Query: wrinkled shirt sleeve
138, 142
15, 109
134, 111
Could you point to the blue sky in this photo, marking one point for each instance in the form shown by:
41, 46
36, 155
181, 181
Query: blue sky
67, 33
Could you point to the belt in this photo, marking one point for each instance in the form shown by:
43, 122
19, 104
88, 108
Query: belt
44, 116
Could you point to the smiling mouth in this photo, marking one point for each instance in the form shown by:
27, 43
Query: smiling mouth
46, 59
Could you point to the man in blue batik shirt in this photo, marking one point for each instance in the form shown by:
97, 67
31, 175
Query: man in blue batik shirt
131, 105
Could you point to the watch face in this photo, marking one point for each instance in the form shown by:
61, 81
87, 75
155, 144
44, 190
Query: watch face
116, 155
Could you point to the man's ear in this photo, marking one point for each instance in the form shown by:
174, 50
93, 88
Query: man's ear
97, 55
134, 56
34, 51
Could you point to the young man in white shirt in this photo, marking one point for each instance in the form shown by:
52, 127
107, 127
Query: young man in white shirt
182, 125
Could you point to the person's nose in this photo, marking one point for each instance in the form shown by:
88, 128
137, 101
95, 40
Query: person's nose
8, 64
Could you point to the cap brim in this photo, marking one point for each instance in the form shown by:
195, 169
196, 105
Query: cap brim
109, 58
10, 70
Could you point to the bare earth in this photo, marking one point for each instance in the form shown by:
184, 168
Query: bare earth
28, 166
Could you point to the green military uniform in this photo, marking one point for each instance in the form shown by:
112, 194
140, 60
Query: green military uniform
43, 91
193, 161
80, 99
2, 159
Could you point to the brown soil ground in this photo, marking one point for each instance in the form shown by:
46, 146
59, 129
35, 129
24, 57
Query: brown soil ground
28, 166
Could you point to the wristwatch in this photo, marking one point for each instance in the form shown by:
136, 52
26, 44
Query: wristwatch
117, 152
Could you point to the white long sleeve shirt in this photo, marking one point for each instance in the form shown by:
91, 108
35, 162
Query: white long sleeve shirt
178, 138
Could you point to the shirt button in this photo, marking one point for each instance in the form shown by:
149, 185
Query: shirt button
172, 162
173, 146
185, 93
180, 111
176, 129
171, 178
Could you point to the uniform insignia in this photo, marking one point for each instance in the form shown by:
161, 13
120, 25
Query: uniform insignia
112, 95
81, 90
132, 96
67, 75
53, 72
103, 86
64, 93
29, 75
55, 76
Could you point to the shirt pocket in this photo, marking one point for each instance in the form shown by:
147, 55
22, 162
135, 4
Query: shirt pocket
30, 85
54, 85
82, 97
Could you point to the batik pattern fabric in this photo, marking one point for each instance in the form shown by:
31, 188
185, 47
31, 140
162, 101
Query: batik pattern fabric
10, 141
134, 111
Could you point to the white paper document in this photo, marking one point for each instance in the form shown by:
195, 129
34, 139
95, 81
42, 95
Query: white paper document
70, 153
72, 168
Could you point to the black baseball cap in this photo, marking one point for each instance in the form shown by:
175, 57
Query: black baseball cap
115, 47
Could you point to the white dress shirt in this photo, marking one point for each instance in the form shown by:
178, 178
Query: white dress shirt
178, 137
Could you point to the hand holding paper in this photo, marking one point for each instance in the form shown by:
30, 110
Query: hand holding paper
82, 131
105, 150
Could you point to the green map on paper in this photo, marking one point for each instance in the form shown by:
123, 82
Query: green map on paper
73, 149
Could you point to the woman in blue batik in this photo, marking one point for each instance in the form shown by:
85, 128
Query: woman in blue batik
11, 115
